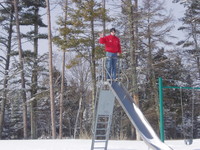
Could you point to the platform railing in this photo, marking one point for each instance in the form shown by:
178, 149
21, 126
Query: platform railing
103, 73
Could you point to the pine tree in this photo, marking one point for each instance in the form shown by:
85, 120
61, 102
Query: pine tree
154, 30
130, 10
63, 37
30, 17
191, 44
53, 125
21, 63
81, 32
7, 13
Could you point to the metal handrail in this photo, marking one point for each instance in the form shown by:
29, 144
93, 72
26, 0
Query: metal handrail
103, 72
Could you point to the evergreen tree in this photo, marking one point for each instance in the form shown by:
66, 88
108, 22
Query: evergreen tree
29, 57
65, 9
6, 19
130, 10
191, 44
148, 29
52, 101
81, 31
21, 67
30, 17
154, 31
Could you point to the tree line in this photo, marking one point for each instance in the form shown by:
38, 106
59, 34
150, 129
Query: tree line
52, 94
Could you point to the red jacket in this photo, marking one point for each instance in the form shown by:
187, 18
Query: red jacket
112, 44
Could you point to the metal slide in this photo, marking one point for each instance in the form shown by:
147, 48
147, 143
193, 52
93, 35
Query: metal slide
137, 118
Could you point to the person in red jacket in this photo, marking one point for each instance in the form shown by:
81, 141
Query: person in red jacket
113, 49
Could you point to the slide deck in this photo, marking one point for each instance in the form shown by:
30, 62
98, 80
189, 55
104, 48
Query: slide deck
137, 118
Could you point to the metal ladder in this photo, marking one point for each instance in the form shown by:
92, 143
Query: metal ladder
101, 129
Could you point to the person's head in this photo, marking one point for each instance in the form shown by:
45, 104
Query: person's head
112, 31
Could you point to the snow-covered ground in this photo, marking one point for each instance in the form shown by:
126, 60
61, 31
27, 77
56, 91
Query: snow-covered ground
71, 144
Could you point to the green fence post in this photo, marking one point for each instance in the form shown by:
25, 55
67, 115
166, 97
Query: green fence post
160, 84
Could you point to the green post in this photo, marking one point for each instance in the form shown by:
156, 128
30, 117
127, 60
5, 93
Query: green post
161, 109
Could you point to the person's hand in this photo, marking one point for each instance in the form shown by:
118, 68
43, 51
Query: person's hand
101, 35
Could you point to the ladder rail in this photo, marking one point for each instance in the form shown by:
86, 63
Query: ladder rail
103, 120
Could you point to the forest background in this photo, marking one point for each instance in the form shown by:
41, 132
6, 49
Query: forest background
49, 91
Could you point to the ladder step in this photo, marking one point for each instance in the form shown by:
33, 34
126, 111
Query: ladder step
100, 141
103, 115
99, 147
101, 129
101, 135
102, 122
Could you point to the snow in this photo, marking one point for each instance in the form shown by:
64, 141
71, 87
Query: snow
73, 144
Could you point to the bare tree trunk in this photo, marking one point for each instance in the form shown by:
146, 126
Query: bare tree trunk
104, 20
133, 49
93, 66
53, 126
63, 77
61, 96
152, 78
134, 61
77, 116
5, 83
23, 90
34, 80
